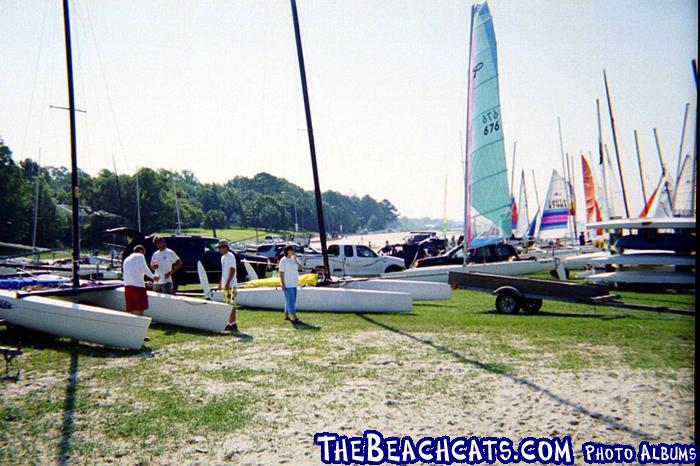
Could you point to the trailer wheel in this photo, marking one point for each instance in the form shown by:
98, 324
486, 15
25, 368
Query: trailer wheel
507, 303
532, 305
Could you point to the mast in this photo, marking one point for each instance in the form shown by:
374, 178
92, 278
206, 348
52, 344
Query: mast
537, 196
601, 161
570, 187
663, 171
680, 146
138, 201
639, 163
467, 188
524, 188
312, 145
564, 172
617, 151
119, 189
36, 203
177, 208
512, 172
75, 204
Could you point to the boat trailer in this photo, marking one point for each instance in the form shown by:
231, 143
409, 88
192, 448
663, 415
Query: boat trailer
514, 294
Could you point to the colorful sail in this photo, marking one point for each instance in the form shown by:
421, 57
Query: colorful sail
488, 197
532, 228
651, 207
556, 209
593, 213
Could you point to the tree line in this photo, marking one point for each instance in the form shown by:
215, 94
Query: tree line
109, 200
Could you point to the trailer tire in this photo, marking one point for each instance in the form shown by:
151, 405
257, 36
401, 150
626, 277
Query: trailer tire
532, 305
508, 302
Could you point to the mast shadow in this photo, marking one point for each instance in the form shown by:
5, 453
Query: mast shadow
495, 369
68, 425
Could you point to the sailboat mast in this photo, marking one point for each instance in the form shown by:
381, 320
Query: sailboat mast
36, 202
312, 145
601, 161
524, 188
663, 170
75, 204
138, 200
467, 188
564, 172
680, 145
537, 196
512, 171
617, 151
177, 208
119, 189
639, 163
572, 198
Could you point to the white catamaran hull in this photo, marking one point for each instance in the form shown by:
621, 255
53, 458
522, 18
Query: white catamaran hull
323, 299
644, 277
73, 320
645, 259
169, 309
582, 261
419, 291
440, 273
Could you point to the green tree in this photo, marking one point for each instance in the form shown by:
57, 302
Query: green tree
15, 199
214, 219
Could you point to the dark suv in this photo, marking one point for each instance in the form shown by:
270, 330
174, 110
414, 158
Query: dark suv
192, 249
488, 253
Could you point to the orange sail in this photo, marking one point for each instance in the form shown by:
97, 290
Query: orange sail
592, 206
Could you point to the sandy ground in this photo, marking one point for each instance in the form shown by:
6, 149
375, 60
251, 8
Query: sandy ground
415, 384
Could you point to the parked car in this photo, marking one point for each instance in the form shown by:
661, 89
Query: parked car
412, 252
497, 252
415, 237
353, 260
275, 251
192, 249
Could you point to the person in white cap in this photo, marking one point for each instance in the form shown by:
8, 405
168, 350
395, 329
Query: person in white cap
228, 281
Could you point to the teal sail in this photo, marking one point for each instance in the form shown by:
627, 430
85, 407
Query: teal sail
488, 197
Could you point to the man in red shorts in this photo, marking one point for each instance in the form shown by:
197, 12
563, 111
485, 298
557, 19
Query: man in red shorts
134, 269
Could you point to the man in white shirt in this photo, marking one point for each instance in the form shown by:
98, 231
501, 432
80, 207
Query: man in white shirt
289, 277
166, 262
134, 269
228, 281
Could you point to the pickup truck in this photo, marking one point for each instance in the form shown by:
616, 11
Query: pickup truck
353, 260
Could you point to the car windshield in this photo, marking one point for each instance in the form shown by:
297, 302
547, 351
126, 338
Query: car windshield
211, 246
364, 251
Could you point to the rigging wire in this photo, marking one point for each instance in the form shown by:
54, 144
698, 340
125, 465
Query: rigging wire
36, 75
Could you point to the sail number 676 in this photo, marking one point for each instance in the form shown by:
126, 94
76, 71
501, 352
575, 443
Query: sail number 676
491, 122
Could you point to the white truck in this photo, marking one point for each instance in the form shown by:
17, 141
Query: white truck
353, 260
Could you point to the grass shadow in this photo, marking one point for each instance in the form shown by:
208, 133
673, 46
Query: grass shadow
242, 336
299, 325
499, 370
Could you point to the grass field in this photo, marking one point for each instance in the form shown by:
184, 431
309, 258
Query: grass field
258, 397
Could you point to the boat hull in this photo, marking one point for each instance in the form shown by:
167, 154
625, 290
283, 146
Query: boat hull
644, 277
78, 321
645, 259
582, 261
441, 273
419, 290
182, 311
324, 299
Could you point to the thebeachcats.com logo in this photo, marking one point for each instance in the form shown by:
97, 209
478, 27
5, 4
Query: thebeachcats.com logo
373, 448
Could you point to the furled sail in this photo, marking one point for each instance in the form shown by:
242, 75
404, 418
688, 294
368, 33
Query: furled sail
488, 197
684, 194
523, 222
556, 209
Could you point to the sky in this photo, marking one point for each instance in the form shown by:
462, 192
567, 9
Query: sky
213, 87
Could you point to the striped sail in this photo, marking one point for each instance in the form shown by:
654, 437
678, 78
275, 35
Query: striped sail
488, 196
555, 212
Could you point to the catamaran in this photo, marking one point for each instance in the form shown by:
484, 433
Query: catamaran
487, 199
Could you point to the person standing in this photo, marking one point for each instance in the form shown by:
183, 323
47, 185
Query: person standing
289, 277
134, 286
228, 281
165, 261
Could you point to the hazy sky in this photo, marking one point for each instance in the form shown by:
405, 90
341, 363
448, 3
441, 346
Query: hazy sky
213, 87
